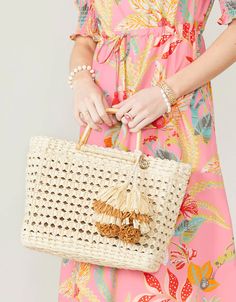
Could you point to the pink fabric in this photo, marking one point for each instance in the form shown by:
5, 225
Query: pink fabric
163, 37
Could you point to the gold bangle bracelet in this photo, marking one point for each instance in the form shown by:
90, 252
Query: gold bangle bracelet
168, 91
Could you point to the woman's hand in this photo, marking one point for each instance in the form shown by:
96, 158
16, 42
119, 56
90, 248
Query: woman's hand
145, 106
90, 100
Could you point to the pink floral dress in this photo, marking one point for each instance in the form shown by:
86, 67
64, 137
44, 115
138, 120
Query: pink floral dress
140, 42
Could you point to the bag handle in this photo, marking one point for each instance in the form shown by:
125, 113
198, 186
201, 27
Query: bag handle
84, 137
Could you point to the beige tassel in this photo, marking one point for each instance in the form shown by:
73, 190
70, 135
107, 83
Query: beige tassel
108, 230
122, 213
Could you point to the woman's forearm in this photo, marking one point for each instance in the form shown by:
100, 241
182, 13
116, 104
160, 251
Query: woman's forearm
219, 56
82, 53
89, 99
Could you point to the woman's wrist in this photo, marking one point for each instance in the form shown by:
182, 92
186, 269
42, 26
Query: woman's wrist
82, 78
157, 90
166, 100
85, 75
81, 72
175, 86
169, 95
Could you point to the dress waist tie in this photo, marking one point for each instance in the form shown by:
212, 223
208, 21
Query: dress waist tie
115, 48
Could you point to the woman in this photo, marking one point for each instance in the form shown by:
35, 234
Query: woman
133, 45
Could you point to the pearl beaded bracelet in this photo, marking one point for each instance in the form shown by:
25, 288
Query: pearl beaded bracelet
165, 98
78, 69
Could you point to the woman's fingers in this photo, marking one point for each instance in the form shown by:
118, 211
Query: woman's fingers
101, 106
137, 118
91, 101
94, 114
78, 118
141, 125
89, 120
127, 106
112, 116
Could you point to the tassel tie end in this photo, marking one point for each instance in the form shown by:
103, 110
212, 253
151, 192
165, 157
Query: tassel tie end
122, 213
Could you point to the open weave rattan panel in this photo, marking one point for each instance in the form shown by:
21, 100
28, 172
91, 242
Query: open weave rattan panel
61, 183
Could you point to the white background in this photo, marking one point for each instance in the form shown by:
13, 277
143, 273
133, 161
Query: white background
36, 100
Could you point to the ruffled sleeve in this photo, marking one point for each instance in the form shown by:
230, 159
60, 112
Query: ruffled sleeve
87, 21
228, 11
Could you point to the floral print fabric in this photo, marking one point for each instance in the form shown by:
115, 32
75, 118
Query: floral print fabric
162, 37
228, 9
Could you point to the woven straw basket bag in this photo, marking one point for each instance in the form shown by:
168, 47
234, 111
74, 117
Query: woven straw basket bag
101, 205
